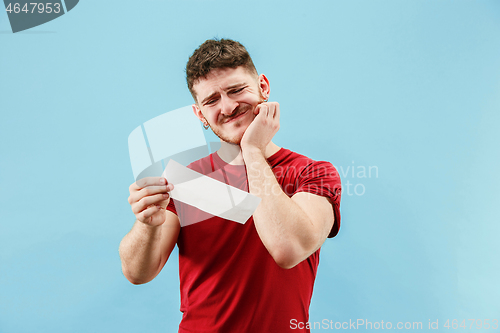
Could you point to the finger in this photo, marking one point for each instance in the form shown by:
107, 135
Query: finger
145, 202
146, 214
148, 191
164, 203
149, 181
272, 110
151, 190
277, 112
264, 109
256, 111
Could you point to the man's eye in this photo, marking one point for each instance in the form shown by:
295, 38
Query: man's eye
237, 90
212, 101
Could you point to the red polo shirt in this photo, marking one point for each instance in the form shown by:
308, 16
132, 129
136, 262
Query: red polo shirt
229, 282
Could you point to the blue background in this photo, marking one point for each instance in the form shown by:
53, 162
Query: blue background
410, 88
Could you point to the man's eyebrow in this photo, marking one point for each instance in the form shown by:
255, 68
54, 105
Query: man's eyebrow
209, 97
236, 85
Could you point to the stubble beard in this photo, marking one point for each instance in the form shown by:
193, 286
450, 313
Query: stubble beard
237, 123
236, 139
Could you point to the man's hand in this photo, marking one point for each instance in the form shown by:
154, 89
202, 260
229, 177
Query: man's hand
148, 198
263, 128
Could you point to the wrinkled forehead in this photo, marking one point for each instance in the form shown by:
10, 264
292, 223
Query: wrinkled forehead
220, 78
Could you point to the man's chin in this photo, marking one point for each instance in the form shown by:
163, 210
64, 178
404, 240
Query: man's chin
235, 138
238, 127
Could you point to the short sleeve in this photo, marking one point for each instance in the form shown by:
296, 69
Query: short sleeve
171, 207
321, 178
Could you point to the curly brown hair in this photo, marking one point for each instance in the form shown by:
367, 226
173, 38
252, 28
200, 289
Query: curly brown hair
215, 53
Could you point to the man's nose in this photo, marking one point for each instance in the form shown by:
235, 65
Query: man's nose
228, 105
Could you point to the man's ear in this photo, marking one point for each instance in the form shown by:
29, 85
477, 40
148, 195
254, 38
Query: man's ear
265, 88
197, 112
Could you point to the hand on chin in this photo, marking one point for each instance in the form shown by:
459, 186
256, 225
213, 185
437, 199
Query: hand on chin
263, 127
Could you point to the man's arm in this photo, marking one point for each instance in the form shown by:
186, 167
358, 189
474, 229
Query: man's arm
290, 228
146, 248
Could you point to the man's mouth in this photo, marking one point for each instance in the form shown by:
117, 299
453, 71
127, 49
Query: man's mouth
236, 116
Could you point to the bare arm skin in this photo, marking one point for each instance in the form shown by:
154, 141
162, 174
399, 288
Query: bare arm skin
146, 248
290, 228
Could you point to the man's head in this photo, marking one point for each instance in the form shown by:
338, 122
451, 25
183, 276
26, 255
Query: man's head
226, 87
216, 54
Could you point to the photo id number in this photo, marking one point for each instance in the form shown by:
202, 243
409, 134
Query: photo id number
34, 7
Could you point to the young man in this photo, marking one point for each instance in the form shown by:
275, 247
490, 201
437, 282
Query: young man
252, 277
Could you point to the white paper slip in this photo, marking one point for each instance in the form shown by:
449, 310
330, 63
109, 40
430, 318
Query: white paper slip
209, 195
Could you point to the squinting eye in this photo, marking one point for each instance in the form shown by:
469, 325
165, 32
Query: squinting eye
237, 90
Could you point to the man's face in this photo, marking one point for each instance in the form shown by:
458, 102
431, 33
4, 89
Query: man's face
226, 100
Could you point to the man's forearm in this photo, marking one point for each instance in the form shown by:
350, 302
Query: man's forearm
140, 253
284, 228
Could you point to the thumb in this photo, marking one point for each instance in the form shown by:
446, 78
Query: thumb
256, 111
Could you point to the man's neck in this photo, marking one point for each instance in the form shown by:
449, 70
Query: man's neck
231, 153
